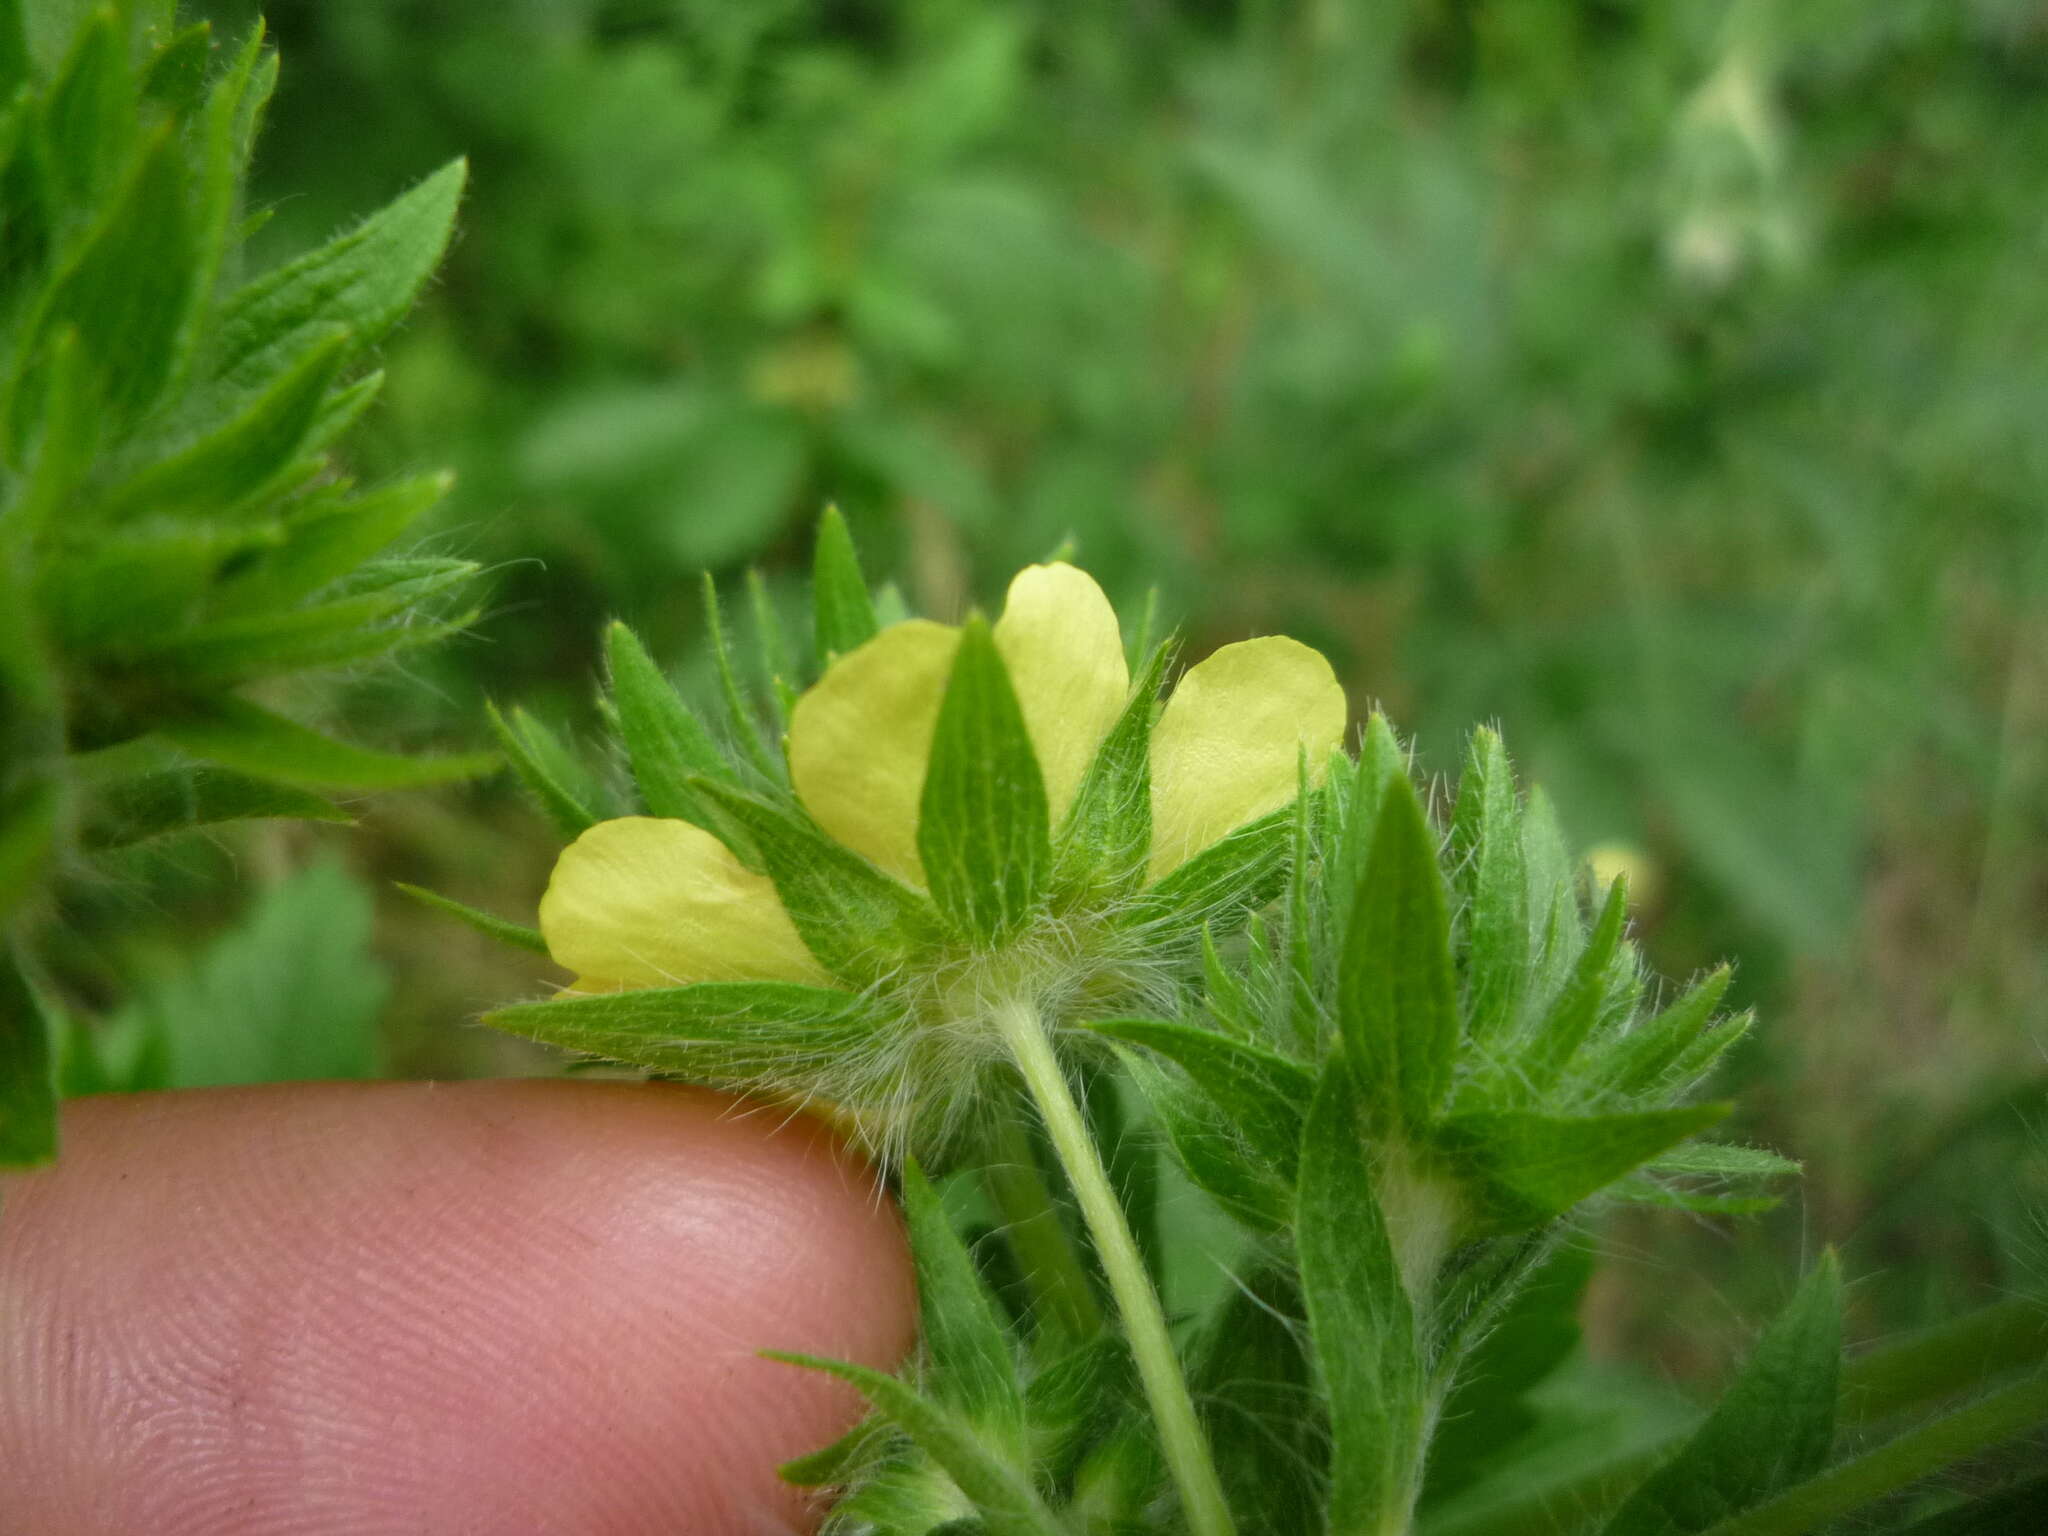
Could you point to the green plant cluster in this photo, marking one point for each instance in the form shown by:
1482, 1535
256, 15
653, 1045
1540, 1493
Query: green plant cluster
174, 539
1404, 1056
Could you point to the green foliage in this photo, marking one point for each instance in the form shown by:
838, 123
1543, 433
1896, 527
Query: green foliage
173, 529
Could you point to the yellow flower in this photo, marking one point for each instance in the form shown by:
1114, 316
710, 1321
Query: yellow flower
648, 902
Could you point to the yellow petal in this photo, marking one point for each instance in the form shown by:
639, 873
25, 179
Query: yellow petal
646, 902
859, 741
1059, 639
1227, 746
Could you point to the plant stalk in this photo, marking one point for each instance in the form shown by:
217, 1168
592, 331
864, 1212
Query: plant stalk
1180, 1434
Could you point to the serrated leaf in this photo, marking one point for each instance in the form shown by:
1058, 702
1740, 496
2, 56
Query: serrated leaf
1361, 1322
1520, 1170
250, 739
223, 459
28, 1093
131, 588
1396, 994
974, 1366
1577, 1011
364, 281
1002, 1494
532, 754
665, 742
175, 800
505, 932
982, 827
1492, 887
860, 924
325, 542
734, 1032
1264, 1096
1773, 1427
843, 612
1640, 1059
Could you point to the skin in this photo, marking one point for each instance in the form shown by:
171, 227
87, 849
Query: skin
451, 1310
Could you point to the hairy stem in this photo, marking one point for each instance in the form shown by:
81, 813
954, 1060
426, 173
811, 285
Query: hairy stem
1053, 1270
1180, 1435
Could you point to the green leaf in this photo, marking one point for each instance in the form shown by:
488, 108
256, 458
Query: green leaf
1361, 1322
514, 934
325, 542
1396, 993
176, 77
1002, 1494
364, 281
293, 992
1577, 1012
974, 1365
666, 743
1263, 1095
2023, 1507
1520, 1170
532, 753
1557, 932
1354, 818
14, 59
772, 649
734, 1032
1492, 887
861, 924
1639, 1061
1208, 1147
844, 612
982, 827
172, 800
843, 1461
1774, 1426
28, 1090
222, 461
89, 112
250, 739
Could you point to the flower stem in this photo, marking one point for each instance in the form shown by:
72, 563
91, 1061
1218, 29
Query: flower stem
1180, 1435
1045, 1252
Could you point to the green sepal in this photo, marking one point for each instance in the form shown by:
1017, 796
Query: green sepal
1397, 1002
1578, 1009
772, 649
364, 280
176, 78
1717, 1179
860, 924
1008, 1504
739, 718
1106, 835
1238, 873
973, 1363
844, 1460
1557, 930
225, 459
325, 542
1641, 1059
1355, 802
1361, 1322
843, 612
666, 743
534, 755
1708, 1047
89, 111
1264, 1096
505, 932
28, 1087
252, 740
149, 805
1520, 1170
982, 827
1774, 1427
737, 1033
1490, 880
1226, 997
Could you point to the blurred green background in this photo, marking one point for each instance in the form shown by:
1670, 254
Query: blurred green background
1668, 384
